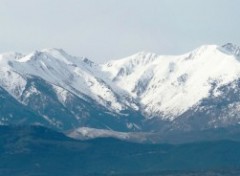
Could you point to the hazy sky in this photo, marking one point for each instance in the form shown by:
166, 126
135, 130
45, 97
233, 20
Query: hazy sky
111, 29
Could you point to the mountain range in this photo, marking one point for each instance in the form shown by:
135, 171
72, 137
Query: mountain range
145, 92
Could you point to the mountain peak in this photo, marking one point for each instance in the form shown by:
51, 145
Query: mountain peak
54, 50
231, 48
58, 54
140, 58
143, 55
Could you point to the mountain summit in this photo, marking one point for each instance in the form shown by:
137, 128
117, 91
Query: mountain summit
142, 92
232, 49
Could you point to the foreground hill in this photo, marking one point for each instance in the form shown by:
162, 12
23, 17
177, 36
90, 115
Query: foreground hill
40, 151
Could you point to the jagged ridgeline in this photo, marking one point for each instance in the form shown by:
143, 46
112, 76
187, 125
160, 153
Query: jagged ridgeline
144, 92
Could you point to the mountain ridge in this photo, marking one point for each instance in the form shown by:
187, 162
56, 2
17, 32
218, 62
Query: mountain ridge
141, 92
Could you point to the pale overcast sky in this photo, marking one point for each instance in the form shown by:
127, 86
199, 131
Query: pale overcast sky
112, 29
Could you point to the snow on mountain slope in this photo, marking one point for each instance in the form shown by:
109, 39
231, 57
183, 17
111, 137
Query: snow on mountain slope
167, 86
77, 75
10, 79
90, 133
142, 85
231, 49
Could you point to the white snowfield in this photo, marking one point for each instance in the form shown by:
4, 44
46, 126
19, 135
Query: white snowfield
91, 133
158, 86
85, 133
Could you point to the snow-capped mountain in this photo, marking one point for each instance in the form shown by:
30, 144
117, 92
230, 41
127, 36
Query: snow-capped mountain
168, 86
77, 75
142, 92
64, 90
